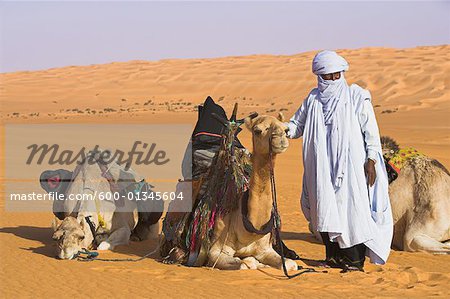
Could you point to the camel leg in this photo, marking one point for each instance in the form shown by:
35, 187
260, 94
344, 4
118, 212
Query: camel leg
153, 232
144, 231
425, 243
272, 258
224, 261
222, 257
251, 263
117, 237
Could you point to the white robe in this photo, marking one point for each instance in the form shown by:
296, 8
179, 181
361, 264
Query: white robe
352, 213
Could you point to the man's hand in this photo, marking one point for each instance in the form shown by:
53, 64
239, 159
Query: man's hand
370, 172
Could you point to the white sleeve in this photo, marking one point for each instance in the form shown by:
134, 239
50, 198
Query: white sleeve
297, 122
369, 128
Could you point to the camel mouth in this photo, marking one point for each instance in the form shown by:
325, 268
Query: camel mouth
65, 257
279, 149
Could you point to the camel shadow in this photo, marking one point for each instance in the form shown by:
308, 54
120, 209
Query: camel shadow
136, 249
44, 235
307, 237
41, 234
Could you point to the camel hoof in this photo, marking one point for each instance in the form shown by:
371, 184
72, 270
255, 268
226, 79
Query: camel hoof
104, 246
249, 263
168, 262
290, 265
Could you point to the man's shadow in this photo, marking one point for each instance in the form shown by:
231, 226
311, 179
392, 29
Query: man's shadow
307, 237
41, 234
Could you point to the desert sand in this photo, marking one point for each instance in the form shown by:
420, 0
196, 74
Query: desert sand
411, 96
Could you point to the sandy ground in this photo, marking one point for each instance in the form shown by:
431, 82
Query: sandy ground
411, 96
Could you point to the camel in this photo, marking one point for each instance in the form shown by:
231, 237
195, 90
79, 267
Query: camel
420, 200
101, 222
233, 246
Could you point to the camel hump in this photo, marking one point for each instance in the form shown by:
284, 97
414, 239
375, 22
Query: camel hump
427, 170
439, 165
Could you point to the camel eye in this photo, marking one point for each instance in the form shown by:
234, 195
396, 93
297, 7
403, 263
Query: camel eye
257, 130
58, 235
81, 238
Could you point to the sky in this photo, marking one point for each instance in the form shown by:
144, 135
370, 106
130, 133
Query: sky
39, 35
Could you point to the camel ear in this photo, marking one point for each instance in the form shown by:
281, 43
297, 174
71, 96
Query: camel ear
249, 123
55, 223
57, 235
280, 116
81, 221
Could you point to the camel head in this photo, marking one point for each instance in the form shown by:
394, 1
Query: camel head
268, 129
71, 236
389, 146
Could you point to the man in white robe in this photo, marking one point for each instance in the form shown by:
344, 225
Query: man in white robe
345, 187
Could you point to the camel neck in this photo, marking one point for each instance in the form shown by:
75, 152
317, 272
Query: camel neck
89, 236
260, 194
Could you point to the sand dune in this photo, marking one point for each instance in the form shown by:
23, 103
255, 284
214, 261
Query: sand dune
405, 83
411, 96
409, 78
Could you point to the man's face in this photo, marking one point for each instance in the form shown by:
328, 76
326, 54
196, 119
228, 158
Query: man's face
332, 76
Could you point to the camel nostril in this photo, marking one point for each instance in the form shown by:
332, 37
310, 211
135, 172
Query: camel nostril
257, 131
